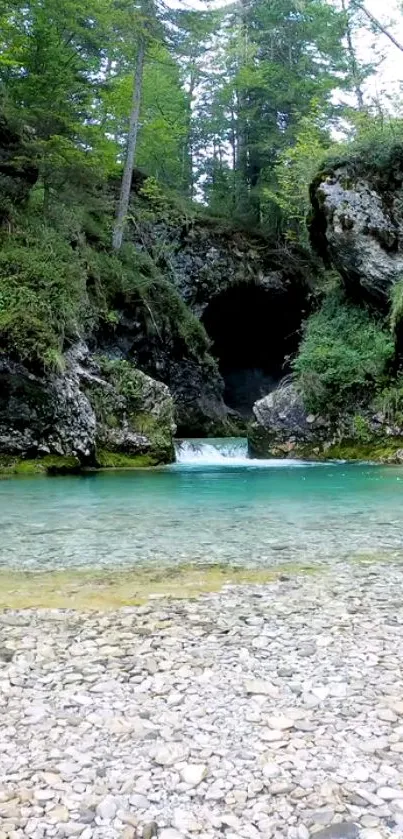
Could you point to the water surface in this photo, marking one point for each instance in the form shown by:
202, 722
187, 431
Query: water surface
213, 505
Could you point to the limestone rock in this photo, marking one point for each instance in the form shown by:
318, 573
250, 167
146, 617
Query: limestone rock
358, 223
194, 773
89, 405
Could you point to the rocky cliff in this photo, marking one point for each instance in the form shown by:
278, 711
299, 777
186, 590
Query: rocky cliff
249, 298
102, 356
96, 412
345, 398
357, 221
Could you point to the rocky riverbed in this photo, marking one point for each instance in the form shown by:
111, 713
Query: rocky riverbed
259, 711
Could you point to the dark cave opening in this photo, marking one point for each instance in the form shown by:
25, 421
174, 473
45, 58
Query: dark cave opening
254, 332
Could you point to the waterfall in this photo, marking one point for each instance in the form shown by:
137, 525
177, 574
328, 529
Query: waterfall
231, 451
227, 452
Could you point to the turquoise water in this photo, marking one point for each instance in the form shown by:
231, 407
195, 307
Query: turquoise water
214, 505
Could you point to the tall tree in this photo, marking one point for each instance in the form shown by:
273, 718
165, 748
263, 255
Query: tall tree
50, 61
279, 57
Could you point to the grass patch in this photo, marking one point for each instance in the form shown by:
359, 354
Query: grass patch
101, 590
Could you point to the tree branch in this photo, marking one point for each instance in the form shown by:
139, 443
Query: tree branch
377, 23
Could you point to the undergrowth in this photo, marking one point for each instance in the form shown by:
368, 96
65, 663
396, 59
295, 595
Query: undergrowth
60, 279
344, 356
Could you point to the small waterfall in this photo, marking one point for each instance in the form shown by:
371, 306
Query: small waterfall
223, 451
231, 451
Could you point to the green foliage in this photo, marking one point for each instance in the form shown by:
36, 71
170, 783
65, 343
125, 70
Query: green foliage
396, 310
362, 430
343, 358
42, 295
293, 172
126, 379
390, 401
374, 146
379, 450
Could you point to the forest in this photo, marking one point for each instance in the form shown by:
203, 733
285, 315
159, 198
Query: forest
142, 142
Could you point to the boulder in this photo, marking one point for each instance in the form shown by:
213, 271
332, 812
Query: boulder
44, 415
92, 405
282, 423
284, 428
357, 223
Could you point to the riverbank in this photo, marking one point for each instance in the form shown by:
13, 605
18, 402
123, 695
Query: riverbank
271, 710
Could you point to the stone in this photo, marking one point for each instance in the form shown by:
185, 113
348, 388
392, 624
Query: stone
107, 808
194, 773
225, 768
271, 735
389, 793
150, 830
170, 833
280, 722
73, 828
59, 813
139, 801
63, 412
338, 830
261, 687
386, 715
368, 256
170, 753
44, 794
271, 770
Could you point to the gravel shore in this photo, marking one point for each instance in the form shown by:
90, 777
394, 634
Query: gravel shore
260, 711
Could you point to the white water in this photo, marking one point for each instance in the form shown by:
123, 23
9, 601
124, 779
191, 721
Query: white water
232, 451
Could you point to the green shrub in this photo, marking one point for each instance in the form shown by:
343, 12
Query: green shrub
396, 309
390, 401
343, 358
42, 292
377, 147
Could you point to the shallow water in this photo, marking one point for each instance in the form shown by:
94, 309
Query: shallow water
213, 505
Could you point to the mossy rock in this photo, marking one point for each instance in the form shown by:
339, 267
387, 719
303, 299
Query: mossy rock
263, 443
49, 465
117, 460
387, 450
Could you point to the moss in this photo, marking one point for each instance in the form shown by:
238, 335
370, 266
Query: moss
49, 465
89, 589
264, 444
158, 433
377, 450
117, 460
383, 450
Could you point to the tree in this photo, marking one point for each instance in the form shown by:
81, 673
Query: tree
276, 58
131, 147
50, 60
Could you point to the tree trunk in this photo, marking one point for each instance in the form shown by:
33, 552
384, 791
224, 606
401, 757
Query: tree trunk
353, 62
131, 150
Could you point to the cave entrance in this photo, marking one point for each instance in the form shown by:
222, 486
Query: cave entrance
254, 331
